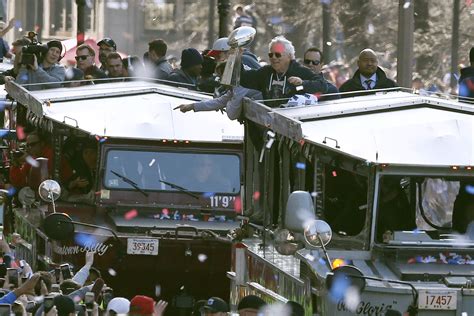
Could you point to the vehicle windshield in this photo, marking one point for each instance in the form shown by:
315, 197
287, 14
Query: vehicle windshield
173, 171
424, 210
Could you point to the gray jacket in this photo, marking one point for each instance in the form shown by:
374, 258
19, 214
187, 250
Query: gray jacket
162, 68
55, 73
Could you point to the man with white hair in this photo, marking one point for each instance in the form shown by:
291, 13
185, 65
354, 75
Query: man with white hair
284, 77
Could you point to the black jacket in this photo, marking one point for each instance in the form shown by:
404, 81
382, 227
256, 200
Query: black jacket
354, 84
466, 84
259, 79
180, 76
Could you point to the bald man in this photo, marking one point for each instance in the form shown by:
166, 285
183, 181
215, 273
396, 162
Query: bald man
368, 77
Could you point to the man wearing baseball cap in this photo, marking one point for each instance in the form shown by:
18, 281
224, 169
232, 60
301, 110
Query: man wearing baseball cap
215, 306
142, 305
106, 46
220, 51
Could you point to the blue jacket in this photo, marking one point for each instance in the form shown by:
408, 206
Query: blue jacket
466, 84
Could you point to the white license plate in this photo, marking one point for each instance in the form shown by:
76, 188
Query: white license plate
142, 246
437, 300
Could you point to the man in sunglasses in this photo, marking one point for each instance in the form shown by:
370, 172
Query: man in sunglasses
85, 59
284, 77
313, 59
106, 46
368, 77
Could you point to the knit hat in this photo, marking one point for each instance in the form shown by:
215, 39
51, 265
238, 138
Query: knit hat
251, 301
57, 44
119, 305
190, 57
64, 304
142, 305
215, 305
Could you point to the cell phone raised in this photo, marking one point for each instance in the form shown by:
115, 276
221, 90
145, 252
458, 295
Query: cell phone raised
5, 309
13, 276
66, 271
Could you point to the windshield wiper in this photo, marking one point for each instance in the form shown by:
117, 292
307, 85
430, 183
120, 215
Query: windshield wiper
127, 180
180, 188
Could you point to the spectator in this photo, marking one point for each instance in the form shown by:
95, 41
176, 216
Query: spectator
215, 306
368, 76
4, 49
21, 165
191, 66
115, 66
84, 169
220, 51
85, 57
47, 70
142, 305
106, 46
133, 65
118, 305
157, 56
466, 81
11, 74
250, 305
313, 59
64, 305
242, 19
284, 77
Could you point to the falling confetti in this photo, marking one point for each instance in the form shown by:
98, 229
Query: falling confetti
352, 298
131, 214
20, 133
202, 257
112, 272
339, 287
155, 18
238, 205
470, 189
328, 43
157, 290
334, 173
32, 161
256, 195
208, 194
406, 5
301, 165
151, 162
11, 191
309, 257
314, 194
165, 211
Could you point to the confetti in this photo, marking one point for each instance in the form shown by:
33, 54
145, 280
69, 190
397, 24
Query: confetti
256, 195
102, 139
301, 165
131, 214
165, 211
238, 205
112, 272
470, 189
3, 132
20, 133
155, 18
84, 239
11, 191
208, 194
334, 173
328, 43
406, 5
151, 162
32, 161
352, 298
202, 257
339, 287
157, 290
309, 257
314, 194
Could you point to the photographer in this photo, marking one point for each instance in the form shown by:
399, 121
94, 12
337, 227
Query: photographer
45, 70
11, 74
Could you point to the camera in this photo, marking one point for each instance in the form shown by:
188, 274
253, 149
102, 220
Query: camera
66, 271
28, 53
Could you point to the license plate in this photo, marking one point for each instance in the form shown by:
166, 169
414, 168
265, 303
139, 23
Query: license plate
436, 300
142, 246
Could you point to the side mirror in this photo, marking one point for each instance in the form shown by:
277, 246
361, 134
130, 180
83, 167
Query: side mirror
299, 211
285, 242
239, 37
348, 275
58, 226
317, 234
49, 191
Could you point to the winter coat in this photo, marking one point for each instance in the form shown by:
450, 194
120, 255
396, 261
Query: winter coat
178, 75
354, 84
163, 69
55, 73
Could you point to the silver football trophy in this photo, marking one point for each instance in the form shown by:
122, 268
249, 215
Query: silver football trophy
238, 38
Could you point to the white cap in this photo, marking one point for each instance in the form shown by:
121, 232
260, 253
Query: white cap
119, 305
302, 100
219, 46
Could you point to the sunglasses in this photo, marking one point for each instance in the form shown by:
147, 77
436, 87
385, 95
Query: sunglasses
83, 57
312, 62
277, 55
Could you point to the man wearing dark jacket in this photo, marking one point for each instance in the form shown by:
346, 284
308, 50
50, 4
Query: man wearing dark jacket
157, 55
466, 81
368, 77
191, 66
313, 59
284, 77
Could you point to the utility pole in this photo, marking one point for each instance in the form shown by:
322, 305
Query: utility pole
326, 6
454, 45
80, 21
223, 6
405, 43
210, 26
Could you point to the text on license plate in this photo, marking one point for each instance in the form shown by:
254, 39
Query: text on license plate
142, 246
445, 300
